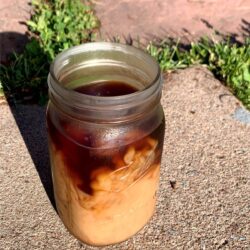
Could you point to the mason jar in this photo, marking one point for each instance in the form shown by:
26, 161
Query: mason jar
105, 128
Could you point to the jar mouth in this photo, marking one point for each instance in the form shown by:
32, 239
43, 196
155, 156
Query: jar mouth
94, 60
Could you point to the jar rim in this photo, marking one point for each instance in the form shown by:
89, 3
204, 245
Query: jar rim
95, 46
141, 65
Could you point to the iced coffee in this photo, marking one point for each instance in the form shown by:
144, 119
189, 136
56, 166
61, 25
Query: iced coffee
105, 177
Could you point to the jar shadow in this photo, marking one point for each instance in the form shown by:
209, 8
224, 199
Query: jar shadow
31, 121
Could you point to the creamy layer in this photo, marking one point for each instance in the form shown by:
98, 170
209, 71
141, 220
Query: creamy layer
122, 201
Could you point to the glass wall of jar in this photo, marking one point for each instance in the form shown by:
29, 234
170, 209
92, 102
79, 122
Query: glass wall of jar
106, 129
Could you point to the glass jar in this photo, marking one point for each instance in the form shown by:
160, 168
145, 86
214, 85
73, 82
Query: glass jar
105, 147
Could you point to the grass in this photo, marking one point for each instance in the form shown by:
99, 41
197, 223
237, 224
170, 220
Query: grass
56, 25
229, 61
61, 24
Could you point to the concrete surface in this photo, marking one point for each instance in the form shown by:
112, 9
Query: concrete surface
149, 19
206, 159
207, 150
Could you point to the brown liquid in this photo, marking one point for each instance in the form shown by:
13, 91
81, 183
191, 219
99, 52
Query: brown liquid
84, 160
105, 180
107, 89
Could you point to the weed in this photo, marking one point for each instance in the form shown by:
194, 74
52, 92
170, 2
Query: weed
230, 62
24, 79
61, 24
54, 26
